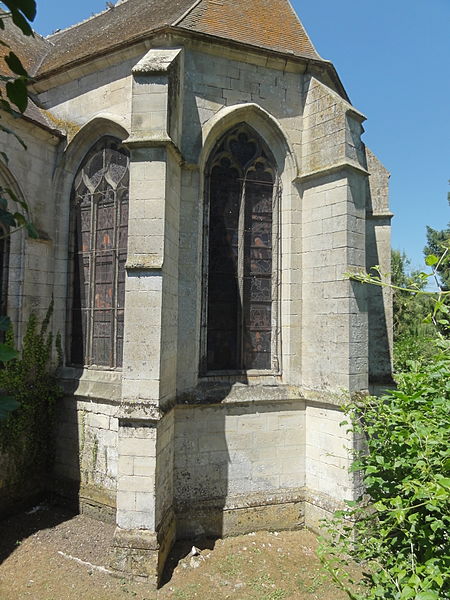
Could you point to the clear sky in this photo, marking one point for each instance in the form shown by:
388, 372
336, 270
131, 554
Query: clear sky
393, 57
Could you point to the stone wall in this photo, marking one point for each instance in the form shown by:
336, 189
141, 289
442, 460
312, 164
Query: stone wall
164, 450
237, 457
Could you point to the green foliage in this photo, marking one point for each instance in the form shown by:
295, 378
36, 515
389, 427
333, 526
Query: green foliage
413, 336
398, 529
14, 102
30, 380
438, 251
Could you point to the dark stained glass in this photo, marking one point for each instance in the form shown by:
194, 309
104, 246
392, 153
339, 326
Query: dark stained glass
240, 232
223, 296
100, 222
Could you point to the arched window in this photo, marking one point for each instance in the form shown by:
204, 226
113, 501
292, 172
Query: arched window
4, 268
98, 254
241, 230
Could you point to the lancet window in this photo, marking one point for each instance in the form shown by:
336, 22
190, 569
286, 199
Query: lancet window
241, 248
98, 254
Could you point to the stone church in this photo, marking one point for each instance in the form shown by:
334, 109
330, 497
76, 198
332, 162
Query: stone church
196, 173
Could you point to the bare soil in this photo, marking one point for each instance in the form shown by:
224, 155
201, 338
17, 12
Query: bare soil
49, 554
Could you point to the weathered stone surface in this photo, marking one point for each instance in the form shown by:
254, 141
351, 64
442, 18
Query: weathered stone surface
165, 448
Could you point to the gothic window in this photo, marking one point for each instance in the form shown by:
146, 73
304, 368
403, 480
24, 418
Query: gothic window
4, 264
98, 254
241, 224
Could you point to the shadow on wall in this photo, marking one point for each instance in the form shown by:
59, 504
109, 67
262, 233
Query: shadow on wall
66, 483
27, 506
378, 252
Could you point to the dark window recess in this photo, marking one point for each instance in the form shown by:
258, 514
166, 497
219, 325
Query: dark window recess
240, 252
99, 250
4, 267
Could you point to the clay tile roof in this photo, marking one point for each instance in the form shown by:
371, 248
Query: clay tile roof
270, 24
126, 21
266, 23
29, 49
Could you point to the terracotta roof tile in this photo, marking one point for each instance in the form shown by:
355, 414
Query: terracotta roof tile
266, 23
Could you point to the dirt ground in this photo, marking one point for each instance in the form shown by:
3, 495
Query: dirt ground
49, 554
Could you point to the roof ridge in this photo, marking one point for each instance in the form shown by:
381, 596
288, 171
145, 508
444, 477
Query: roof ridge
186, 12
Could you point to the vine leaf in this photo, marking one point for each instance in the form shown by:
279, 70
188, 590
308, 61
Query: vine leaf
7, 353
7, 405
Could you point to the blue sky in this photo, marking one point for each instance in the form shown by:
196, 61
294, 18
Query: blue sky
393, 57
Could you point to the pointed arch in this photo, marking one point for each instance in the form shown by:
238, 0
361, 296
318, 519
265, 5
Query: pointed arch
97, 253
263, 123
72, 157
240, 254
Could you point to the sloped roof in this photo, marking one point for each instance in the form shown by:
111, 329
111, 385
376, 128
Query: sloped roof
267, 23
270, 24
29, 49
124, 22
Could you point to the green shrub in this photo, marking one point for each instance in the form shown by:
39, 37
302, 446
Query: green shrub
411, 352
26, 434
399, 531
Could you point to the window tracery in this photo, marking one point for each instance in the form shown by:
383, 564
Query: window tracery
98, 255
241, 270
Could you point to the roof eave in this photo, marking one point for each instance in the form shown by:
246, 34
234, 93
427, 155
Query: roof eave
308, 61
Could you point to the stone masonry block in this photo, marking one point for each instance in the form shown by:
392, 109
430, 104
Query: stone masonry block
136, 483
137, 447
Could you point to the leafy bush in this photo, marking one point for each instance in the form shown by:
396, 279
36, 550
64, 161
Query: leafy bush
26, 433
411, 352
399, 531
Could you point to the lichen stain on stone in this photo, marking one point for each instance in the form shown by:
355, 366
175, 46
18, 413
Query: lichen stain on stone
68, 127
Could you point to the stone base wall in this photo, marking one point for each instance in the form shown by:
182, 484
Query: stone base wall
225, 451
228, 467
258, 465
86, 455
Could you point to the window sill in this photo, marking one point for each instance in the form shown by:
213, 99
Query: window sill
214, 390
92, 382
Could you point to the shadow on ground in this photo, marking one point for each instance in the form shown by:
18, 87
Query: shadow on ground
181, 550
23, 525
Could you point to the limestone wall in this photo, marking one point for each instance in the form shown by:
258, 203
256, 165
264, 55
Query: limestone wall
32, 275
232, 457
213, 81
106, 91
87, 454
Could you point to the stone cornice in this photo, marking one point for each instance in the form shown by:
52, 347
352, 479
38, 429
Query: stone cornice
330, 169
154, 141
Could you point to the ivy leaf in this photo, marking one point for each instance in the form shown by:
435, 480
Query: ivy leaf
5, 323
13, 62
428, 595
7, 219
28, 7
32, 231
444, 482
7, 405
21, 22
7, 353
17, 93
